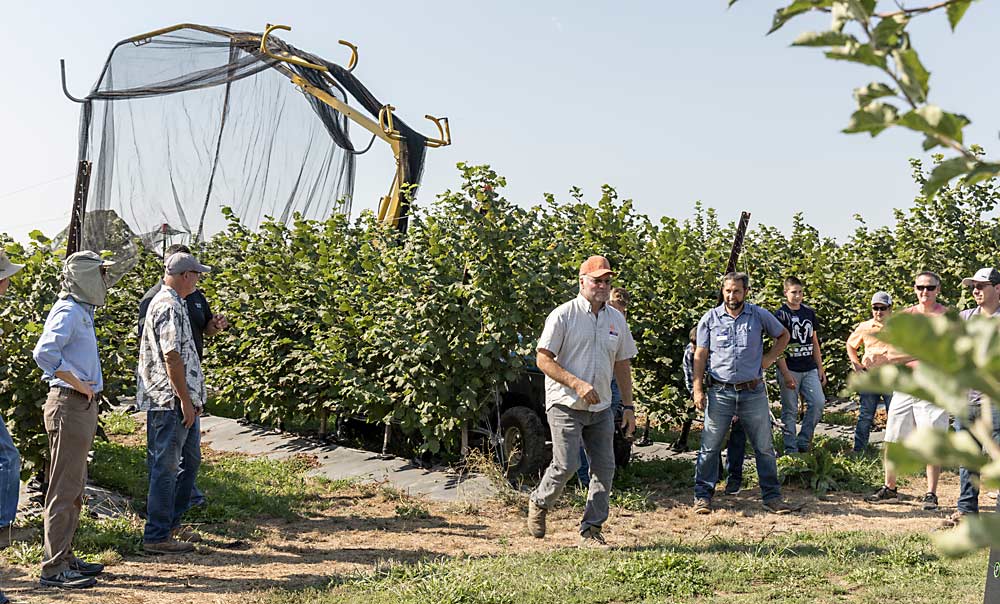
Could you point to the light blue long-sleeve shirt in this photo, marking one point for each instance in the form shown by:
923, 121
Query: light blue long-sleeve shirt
69, 343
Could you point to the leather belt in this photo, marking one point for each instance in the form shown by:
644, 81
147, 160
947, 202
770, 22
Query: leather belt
748, 385
67, 391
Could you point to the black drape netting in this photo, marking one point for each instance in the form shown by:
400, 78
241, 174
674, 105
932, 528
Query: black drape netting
183, 123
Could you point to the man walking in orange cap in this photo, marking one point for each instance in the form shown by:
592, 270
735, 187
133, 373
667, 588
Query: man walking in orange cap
585, 343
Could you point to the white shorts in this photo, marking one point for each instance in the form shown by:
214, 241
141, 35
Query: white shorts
907, 412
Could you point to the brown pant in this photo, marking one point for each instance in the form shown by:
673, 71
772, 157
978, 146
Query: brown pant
71, 421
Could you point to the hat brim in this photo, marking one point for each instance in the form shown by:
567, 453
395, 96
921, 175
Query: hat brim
599, 273
10, 270
970, 281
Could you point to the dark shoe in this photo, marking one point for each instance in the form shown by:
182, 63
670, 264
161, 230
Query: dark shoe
87, 569
5, 539
777, 506
67, 579
3, 599
592, 537
929, 502
733, 486
170, 546
536, 520
883, 495
702, 506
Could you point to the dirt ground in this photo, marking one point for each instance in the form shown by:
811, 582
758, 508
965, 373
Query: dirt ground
359, 529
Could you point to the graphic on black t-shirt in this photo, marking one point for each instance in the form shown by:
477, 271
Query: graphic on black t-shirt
801, 324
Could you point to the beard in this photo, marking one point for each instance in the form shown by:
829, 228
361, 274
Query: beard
734, 305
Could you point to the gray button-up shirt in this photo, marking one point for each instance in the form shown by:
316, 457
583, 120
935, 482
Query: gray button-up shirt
736, 346
586, 345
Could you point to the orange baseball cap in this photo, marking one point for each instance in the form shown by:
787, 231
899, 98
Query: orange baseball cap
596, 267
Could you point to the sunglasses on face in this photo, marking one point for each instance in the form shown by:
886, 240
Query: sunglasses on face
982, 286
880, 308
926, 288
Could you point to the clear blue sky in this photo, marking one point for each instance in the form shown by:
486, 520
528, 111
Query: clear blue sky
669, 102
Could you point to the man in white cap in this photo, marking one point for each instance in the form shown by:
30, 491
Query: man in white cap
10, 460
585, 343
865, 335
985, 285
68, 357
171, 389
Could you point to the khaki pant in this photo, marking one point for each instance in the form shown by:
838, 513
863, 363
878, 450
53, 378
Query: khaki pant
71, 421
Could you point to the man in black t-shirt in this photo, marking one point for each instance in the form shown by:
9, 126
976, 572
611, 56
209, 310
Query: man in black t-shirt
800, 371
203, 323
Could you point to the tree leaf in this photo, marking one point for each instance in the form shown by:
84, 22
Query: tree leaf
913, 77
944, 172
874, 118
854, 52
956, 11
875, 90
798, 7
974, 532
889, 33
823, 38
982, 171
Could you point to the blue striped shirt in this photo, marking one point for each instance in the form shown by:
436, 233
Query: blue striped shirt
69, 343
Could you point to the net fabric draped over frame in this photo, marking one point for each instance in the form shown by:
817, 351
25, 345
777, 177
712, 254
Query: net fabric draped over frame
183, 123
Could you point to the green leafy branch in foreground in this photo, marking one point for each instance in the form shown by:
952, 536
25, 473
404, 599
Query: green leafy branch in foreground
860, 34
955, 357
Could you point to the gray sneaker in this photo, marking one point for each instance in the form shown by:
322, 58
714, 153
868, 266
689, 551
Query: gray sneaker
702, 506
67, 579
169, 546
536, 520
592, 537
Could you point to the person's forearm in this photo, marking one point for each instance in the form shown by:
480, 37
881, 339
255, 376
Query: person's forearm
623, 376
70, 378
817, 353
780, 343
700, 361
852, 354
175, 373
782, 365
551, 367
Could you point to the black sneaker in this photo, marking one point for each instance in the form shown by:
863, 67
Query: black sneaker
777, 506
67, 579
883, 495
929, 502
733, 486
87, 569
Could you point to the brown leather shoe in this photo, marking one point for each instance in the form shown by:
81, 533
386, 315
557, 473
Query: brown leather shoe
536, 520
169, 546
185, 533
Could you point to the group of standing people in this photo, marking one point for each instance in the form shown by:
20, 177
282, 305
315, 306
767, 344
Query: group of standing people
586, 343
174, 315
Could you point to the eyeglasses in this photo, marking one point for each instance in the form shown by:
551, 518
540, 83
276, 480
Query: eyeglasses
880, 308
598, 281
982, 286
926, 288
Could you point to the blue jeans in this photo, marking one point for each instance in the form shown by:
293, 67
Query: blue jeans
968, 497
866, 415
751, 405
10, 477
173, 455
806, 383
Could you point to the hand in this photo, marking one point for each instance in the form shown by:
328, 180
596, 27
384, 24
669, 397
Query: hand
86, 389
822, 377
856, 366
189, 413
220, 322
699, 400
790, 383
628, 423
586, 392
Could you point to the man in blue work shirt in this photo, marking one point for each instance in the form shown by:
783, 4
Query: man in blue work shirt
733, 334
67, 355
